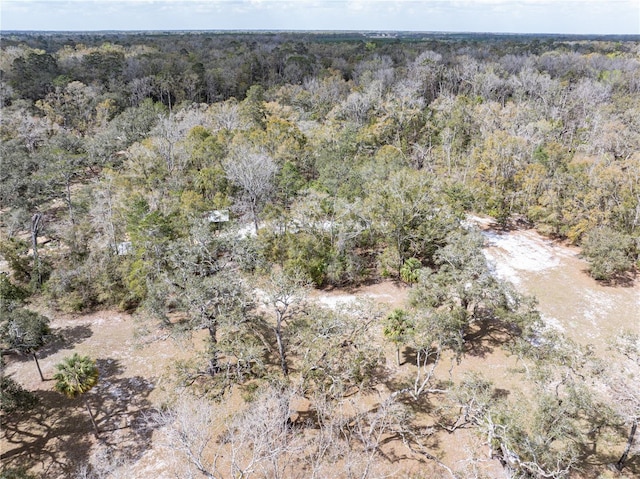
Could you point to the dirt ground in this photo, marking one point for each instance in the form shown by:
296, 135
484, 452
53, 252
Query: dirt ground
57, 437
570, 300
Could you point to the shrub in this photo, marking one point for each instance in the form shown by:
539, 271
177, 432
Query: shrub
13, 397
609, 252
410, 271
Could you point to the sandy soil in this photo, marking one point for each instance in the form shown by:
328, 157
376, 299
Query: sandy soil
568, 298
388, 294
58, 435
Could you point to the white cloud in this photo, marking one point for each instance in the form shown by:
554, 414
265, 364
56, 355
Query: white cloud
530, 16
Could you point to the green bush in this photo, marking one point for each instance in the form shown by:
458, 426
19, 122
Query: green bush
16, 473
389, 261
410, 271
15, 252
97, 281
298, 251
10, 293
13, 397
609, 252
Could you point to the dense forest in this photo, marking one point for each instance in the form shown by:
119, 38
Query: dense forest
211, 182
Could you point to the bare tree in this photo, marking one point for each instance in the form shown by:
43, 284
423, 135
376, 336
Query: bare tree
253, 172
203, 287
227, 116
261, 438
285, 295
103, 211
542, 434
337, 350
105, 463
36, 229
140, 88
189, 428
531, 437
169, 133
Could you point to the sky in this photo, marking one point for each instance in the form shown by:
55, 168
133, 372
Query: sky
504, 16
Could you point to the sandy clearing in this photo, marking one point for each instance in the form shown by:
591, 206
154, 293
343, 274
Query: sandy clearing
510, 254
568, 298
389, 294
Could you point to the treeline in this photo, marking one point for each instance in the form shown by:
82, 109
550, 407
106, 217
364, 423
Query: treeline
550, 137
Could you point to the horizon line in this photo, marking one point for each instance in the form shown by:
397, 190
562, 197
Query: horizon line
270, 30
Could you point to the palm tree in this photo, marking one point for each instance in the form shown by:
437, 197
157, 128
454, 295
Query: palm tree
398, 327
76, 375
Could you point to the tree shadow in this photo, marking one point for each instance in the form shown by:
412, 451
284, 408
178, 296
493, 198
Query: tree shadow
418, 440
510, 225
58, 434
632, 466
65, 338
500, 393
620, 280
356, 286
409, 355
121, 403
487, 335
593, 465
54, 434
423, 404
262, 329
596, 458
109, 368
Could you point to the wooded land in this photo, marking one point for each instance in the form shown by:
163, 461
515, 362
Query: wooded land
212, 181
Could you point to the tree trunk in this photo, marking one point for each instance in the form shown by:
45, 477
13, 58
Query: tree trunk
400, 252
67, 183
398, 355
283, 357
625, 454
36, 226
93, 421
112, 227
214, 366
254, 214
35, 358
